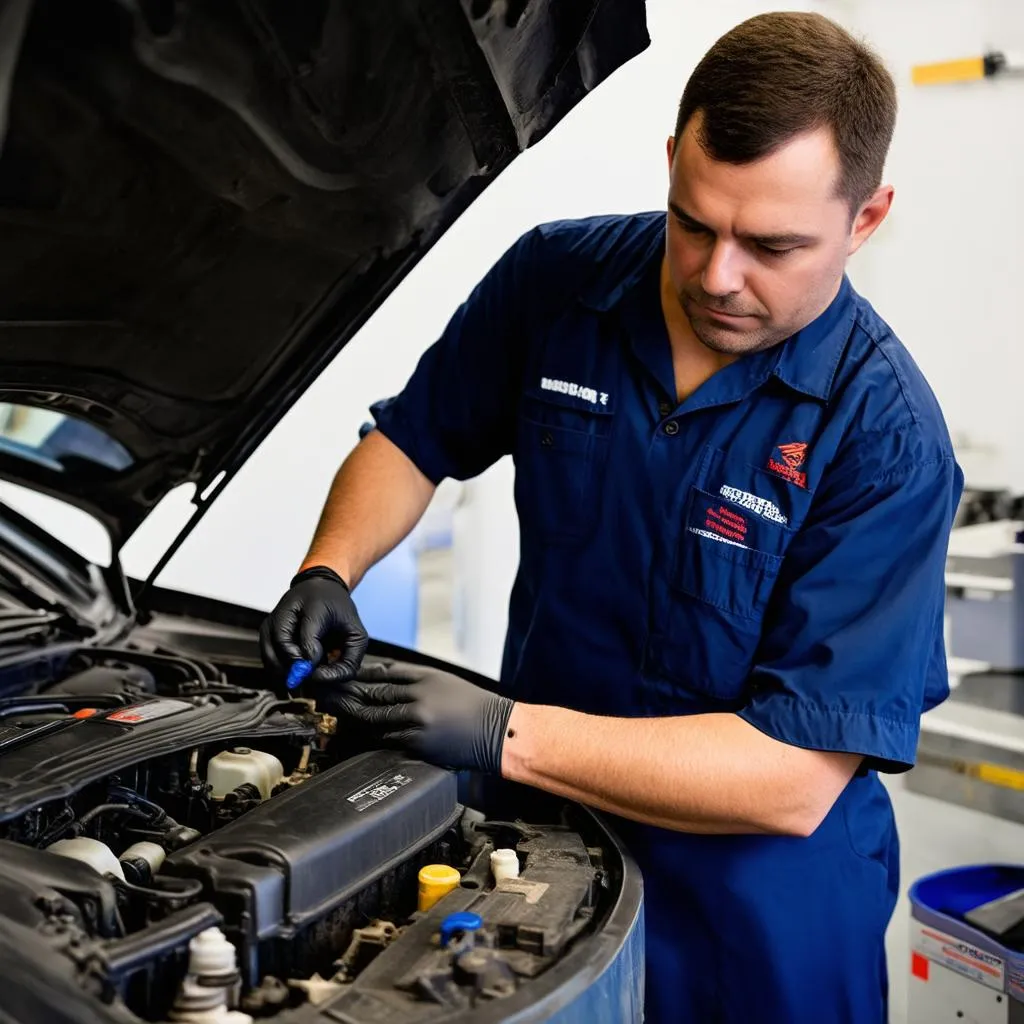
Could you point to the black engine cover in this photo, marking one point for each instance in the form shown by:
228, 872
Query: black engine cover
293, 860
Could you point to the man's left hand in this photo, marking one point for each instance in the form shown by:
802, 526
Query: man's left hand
435, 715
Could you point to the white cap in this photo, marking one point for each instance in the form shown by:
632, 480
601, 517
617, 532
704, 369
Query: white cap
211, 953
152, 854
504, 864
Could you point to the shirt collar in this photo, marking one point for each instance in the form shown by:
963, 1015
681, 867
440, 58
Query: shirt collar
806, 362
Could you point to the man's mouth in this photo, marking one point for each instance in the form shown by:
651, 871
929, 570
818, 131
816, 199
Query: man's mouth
722, 314
726, 315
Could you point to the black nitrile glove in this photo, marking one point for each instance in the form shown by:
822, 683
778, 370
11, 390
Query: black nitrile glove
317, 614
433, 714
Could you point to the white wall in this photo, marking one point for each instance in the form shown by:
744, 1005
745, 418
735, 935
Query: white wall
946, 269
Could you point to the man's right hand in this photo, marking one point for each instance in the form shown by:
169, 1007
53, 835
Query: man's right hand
317, 614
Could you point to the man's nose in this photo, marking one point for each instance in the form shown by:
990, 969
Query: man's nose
723, 274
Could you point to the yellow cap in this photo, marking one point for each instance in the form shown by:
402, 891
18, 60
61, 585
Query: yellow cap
436, 880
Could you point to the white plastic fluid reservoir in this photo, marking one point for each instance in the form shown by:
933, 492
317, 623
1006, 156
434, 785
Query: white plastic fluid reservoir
504, 864
97, 855
233, 768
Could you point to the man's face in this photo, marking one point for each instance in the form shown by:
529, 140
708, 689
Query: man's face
757, 251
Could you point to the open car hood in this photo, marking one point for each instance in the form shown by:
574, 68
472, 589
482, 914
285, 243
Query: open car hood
201, 201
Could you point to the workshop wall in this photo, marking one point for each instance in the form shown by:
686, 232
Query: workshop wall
946, 268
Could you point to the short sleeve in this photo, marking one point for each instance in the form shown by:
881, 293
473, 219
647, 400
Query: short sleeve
456, 415
852, 647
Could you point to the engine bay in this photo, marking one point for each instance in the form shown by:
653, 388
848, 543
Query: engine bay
189, 845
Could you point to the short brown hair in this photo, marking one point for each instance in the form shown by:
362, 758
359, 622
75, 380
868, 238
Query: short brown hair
780, 75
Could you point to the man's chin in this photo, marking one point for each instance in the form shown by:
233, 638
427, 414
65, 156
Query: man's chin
729, 341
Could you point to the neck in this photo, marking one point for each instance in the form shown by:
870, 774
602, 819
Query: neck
693, 361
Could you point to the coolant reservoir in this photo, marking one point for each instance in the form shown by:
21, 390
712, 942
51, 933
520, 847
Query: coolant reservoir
233, 768
97, 855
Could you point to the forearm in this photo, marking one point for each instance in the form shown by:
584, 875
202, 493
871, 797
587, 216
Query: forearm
377, 497
710, 773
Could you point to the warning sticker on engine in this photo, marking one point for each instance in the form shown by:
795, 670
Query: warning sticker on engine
380, 789
532, 892
960, 956
136, 713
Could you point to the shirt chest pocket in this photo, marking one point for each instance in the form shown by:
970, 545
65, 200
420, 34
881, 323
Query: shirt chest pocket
561, 455
728, 557
726, 563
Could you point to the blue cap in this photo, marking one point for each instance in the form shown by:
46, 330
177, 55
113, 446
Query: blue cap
298, 672
461, 921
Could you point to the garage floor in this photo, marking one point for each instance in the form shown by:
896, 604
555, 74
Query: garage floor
934, 834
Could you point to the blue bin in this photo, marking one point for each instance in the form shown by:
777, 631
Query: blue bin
938, 903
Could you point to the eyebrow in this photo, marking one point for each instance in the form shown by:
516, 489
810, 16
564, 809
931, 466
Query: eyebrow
784, 238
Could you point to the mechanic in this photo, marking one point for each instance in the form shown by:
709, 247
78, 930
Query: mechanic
735, 490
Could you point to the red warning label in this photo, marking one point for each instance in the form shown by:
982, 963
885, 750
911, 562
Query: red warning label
136, 713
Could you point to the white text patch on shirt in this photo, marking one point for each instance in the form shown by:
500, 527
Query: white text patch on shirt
759, 506
564, 387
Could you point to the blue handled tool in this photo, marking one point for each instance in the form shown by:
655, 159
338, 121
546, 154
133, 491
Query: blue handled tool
298, 672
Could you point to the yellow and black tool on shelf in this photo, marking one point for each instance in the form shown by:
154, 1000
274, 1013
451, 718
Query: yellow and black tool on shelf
969, 69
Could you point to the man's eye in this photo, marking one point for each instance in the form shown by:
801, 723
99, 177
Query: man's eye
691, 229
770, 251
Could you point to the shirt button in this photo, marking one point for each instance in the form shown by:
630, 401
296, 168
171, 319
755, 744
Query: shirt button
664, 408
547, 439
672, 428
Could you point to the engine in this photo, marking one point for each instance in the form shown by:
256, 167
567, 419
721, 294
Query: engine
191, 848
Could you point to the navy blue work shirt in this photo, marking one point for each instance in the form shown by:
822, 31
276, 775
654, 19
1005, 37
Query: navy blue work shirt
773, 546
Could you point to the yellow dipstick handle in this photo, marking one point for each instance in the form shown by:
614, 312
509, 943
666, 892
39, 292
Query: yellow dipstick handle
970, 69
436, 880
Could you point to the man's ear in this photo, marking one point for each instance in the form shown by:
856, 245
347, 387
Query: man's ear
870, 216
671, 149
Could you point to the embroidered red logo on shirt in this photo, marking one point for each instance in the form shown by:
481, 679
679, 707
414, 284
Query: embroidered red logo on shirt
793, 454
726, 523
787, 460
